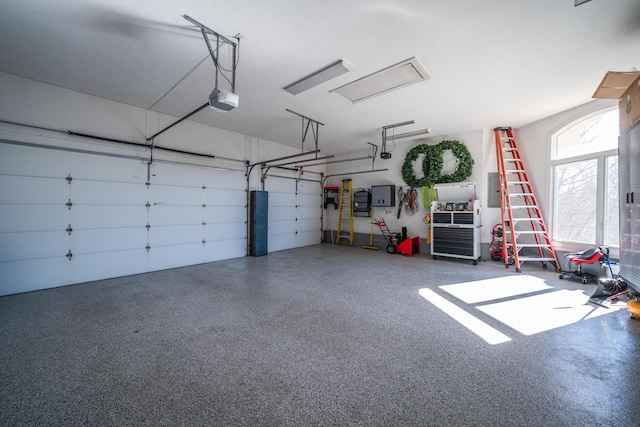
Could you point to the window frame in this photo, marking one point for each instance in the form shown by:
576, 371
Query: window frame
601, 173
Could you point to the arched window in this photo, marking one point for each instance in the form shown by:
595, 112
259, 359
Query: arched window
584, 167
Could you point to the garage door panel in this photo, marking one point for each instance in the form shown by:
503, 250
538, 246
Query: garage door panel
280, 185
33, 245
282, 199
310, 188
225, 180
104, 265
175, 235
164, 257
108, 239
226, 249
310, 200
107, 216
218, 197
282, 227
223, 214
213, 232
174, 195
33, 274
172, 215
108, 193
21, 160
308, 225
33, 190
281, 213
308, 213
283, 242
16, 218
176, 175
103, 168
308, 238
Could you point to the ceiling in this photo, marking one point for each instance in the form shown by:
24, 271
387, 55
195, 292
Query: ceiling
492, 62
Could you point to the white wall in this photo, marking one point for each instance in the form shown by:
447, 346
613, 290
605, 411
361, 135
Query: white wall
475, 141
533, 141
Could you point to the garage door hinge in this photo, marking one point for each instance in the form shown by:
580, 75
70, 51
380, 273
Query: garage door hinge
148, 226
69, 255
204, 223
148, 205
147, 183
147, 247
203, 242
204, 206
69, 204
69, 229
69, 178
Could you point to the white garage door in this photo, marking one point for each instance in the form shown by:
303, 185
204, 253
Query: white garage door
295, 209
71, 217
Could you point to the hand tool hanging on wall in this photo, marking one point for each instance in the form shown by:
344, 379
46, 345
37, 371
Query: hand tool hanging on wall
410, 201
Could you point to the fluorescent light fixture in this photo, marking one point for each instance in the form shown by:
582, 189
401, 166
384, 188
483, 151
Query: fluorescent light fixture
334, 70
579, 2
409, 134
391, 78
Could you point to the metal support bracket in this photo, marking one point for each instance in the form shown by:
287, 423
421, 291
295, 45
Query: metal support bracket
307, 123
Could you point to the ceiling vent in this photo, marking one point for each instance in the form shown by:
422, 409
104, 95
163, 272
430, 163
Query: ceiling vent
391, 78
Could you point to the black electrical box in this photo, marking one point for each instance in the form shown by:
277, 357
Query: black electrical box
383, 195
362, 203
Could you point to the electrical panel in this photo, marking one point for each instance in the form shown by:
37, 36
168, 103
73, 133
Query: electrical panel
383, 195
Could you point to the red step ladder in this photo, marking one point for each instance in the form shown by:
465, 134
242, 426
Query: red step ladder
525, 235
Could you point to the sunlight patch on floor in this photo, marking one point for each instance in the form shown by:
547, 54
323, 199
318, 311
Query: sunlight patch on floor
524, 303
475, 325
493, 289
538, 313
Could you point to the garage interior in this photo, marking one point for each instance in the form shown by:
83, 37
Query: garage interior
135, 290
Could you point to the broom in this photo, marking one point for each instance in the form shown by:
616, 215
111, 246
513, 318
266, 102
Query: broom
370, 245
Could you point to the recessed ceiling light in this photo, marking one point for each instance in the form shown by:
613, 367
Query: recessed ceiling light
391, 78
334, 70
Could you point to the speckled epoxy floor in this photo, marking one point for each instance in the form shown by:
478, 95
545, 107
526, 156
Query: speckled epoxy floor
322, 335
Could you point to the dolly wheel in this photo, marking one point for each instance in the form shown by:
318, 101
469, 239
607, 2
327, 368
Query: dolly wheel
584, 280
561, 276
391, 249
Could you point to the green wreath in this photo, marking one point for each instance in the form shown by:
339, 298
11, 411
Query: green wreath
433, 161
407, 167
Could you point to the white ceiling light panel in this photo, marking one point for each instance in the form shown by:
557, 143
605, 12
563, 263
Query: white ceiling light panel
386, 80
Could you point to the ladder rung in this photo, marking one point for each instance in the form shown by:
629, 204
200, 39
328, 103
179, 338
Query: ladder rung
523, 259
533, 245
